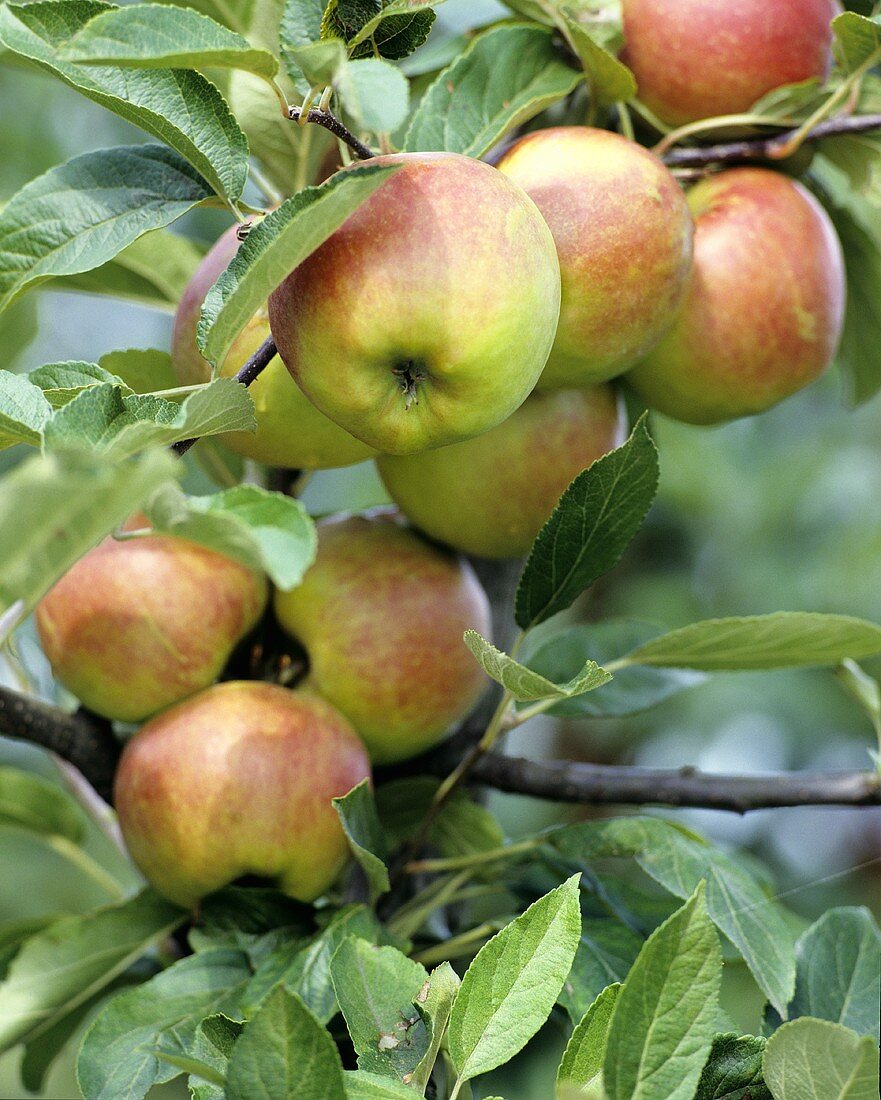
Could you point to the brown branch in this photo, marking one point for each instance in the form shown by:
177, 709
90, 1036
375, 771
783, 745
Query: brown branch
258, 362
331, 122
767, 148
82, 739
601, 784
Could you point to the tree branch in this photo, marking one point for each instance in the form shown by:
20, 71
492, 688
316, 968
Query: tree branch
258, 362
601, 784
331, 122
82, 739
767, 148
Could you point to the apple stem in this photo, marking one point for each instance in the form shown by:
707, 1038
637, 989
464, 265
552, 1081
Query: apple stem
330, 122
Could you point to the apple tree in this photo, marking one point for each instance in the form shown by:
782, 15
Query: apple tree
480, 257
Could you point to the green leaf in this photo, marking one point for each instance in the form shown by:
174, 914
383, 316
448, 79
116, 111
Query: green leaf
24, 410
159, 36
590, 528
435, 1005
634, 688
376, 988
53, 508
505, 77
267, 531
61, 382
106, 420
82, 213
375, 94
283, 1052
307, 972
178, 106
734, 1070
274, 248
857, 40
316, 65
609, 80
662, 1025
371, 1086
118, 1061
143, 370
213, 1045
68, 962
400, 28
524, 684
838, 971
28, 801
679, 861
360, 821
582, 1062
814, 1058
510, 988
787, 639
606, 951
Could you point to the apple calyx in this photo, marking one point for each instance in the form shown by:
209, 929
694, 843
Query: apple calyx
409, 373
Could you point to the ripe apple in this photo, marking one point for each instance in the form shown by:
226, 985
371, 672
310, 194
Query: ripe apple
139, 624
291, 432
697, 59
623, 234
238, 780
381, 616
765, 304
490, 496
428, 316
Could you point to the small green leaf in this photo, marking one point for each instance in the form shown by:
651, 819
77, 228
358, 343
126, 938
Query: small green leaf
505, 77
267, 531
64, 965
524, 684
159, 36
400, 28
609, 79
24, 410
787, 639
375, 94
274, 248
857, 40
118, 1059
143, 370
662, 1024
106, 420
81, 214
582, 1062
734, 1070
376, 988
213, 1045
61, 382
435, 1003
360, 821
814, 1058
589, 530
178, 106
283, 1052
28, 801
510, 988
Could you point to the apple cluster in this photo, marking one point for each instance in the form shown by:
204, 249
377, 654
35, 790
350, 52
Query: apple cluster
467, 328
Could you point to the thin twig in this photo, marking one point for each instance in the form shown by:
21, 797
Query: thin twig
767, 148
330, 122
258, 362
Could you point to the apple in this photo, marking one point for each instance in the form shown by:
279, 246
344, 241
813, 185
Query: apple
427, 317
623, 235
291, 432
139, 624
696, 59
238, 780
765, 305
381, 615
490, 496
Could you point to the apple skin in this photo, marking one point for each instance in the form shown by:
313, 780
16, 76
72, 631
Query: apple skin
137, 625
427, 317
624, 237
291, 432
491, 495
381, 615
764, 310
239, 780
696, 59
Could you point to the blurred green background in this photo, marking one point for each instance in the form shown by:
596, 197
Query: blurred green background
778, 512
